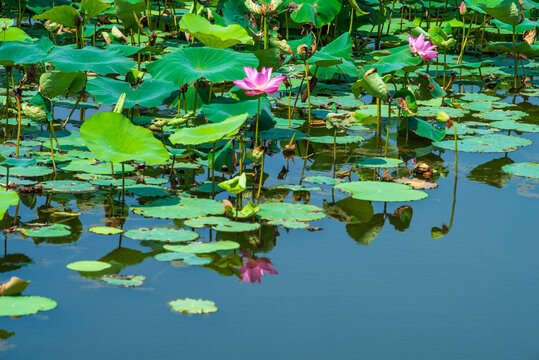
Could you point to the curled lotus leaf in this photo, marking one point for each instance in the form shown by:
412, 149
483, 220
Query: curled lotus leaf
490, 143
24, 305
193, 306
290, 212
235, 185
381, 191
163, 234
124, 280
202, 247
180, 208
526, 169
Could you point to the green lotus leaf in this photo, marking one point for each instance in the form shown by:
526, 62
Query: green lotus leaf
513, 125
319, 13
235, 226
527, 169
208, 133
180, 208
500, 115
290, 212
373, 85
162, 234
13, 34
91, 167
17, 52
203, 248
381, 191
48, 231
105, 230
289, 224
490, 143
222, 109
192, 306
506, 11
246, 212
348, 139
322, 180
67, 186
124, 280
112, 137
235, 185
214, 36
7, 199
90, 58
88, 266
128, 11
28, 171
150, 93
185, 66
24, 305
380, 162
93, 8
423, 128
56, 83
63, 15
112, 181
147, 190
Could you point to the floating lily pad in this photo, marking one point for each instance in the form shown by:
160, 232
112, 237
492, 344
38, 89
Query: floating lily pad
180, 208
350, 139
88, 266
91, 167
111, 181
323, 180
290, 212
381, 191
124, 280
147, 190
380, 162
192, 306
105, 230
513, 125
24, 305
527, 169
289, 224
28, 171
162, 234
67, 186
203, 248
20, 182
485, 144
501, 115
294, 187
53, 230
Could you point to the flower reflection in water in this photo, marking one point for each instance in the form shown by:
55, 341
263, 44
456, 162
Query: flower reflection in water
255, 267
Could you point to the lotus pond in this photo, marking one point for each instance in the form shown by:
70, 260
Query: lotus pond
280, 179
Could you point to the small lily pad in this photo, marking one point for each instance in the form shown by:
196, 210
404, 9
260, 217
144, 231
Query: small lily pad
485, 144
28, 171
289, 224
53, 230
189, 259
380, 162
323, 180
180, 208
290, 212
192, 306
124, 280
88, 266
105, 230
67, 186
381, 191
349, 139
112, 181
24, 305
147, 190
526, 169
162, 234
203, 248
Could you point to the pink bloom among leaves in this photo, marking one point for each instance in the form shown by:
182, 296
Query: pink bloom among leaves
253, 269
462, 8
424, 49
259, 82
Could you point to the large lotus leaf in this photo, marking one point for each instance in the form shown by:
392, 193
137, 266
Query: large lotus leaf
7, 199
323, 180
506, 11
235, 12
128, 11
214, 36
112, 137
180, 208
24, 305
333, 53
381, 191
13, 34
525, 25
192, 306
162, 234
397, 60
287, 211
53, 230
56, 83
27, 171
105, 230
93, 8
318, 12
90, 167
90, 58
17, 52
185, 66
208, 133
203, 248
63, 15
220, 110
67, 186
490, 143
513, 125
527, 169
349, 139
220, 223
150, 93
507, 48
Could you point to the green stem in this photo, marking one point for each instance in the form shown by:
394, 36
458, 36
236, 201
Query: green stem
213, 172
351, 21
516, 58
308, 97
52, 148
261, 177
388, 123
196, 95
257, 117
7, 178
18, 125
265, 32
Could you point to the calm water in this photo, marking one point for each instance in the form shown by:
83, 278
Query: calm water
472, 294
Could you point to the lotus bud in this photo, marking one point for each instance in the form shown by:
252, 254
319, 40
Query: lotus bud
462, 8
4, 26
442, 117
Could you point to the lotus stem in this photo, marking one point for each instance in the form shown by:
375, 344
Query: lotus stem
18, 124
7, 178
516, 58
149, 13
388, 123
19, 15
334, 151
111, 169
257, 118
260, 178
7, 69
123, 187
52, 148
286, 22
297, 97
308, 97
456, 147
213, 172
75, 107
378, 117
351, 21
196, 95
289, 103
265, 32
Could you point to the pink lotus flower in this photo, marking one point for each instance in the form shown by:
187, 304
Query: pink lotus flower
253, 268
462, 8
418, 46
259, 82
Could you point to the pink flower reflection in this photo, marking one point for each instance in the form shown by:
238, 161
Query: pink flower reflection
255, 267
